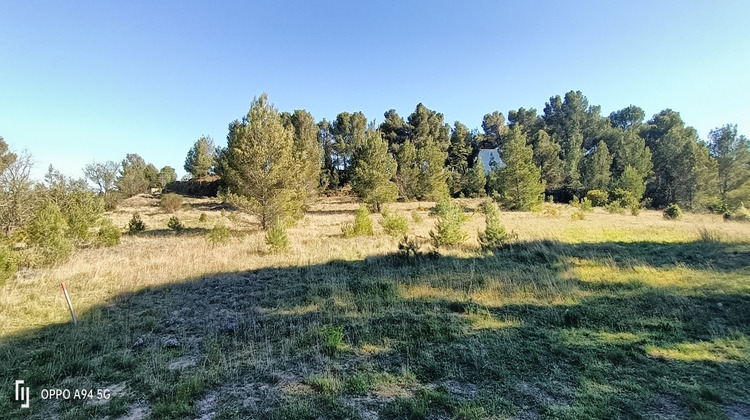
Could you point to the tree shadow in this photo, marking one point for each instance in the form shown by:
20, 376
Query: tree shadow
543, 343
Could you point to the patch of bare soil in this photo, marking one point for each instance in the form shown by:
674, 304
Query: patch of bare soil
138, 411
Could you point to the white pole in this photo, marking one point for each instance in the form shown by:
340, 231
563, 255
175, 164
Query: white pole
70, 305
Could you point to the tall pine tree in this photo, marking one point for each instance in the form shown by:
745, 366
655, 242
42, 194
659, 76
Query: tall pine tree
261, 172
519, 182
372, 169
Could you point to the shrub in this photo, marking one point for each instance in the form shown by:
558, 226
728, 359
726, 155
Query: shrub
586, 205
332, 338
276, 237
82, 209
494, 235
111, 200
615, 208
47, 232
408, 246
136, 225
203, 218
175, 224
108, 235
170, 202
8, 265
219, 234
416, 217
551, 210
578, 215
673, 212
448, 230
362, 224
741, 215
394, 224
635, 209
598, 198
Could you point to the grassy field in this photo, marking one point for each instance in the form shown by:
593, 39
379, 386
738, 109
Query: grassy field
614, 316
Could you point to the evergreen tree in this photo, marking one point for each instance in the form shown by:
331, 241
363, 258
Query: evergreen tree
631, 181
494, 130
547, 158
475, 180
260, 167
519, 182
132, 179
407, 175
348, 131
527, 119
167, 175
152, 175
458, 155
732, 154
329, 175
201, 157
372, 169
630, 150
393, 130
598, 166
432, 174
629, 119
306, 150
683, 171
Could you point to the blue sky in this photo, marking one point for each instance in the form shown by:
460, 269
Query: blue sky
93, 80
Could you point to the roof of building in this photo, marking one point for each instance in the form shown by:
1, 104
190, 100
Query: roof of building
490, 156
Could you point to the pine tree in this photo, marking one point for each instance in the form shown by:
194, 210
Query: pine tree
407, 175
519, 181
475, 180
201, 157
598, 164
260, 168
547, 158
630, 150
432, 173
732, 154
631, 181
372, 170
305, 150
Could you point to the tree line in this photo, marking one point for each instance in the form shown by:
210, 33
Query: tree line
275, 161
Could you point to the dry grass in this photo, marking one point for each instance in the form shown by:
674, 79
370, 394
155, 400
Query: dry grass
569, 300
160, 257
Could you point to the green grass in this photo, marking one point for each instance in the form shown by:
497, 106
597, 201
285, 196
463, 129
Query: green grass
582, 329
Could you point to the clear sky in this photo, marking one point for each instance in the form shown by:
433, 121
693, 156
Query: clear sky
94, 80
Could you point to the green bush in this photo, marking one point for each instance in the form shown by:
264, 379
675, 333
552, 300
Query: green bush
673, 212
8, 265
494, 235
276, 237
332, 338
394, 224
109, 234
219, 234
111, 200
741, 215
362, 224
82, 210
615, 208
170, 202
449, 228
586, 205
598, 198
578, 215
47, 233
203, 218
175, 224
136, 225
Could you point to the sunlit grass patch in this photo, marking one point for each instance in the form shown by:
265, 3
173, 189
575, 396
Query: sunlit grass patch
585, 234
587, 337
638, 275
485, 321
735, 348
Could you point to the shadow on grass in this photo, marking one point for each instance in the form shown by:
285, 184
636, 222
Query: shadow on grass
506, 334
